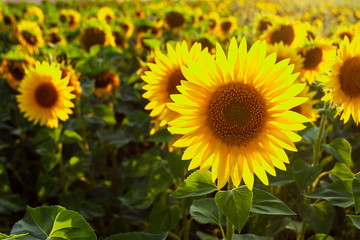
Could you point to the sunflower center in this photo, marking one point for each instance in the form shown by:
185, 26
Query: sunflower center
93, 36
29, 38
236, 113
225, 26
350, 77
16, 69
212, 23
343, 34
205, 43
174, 80
263, 25
72, 20
104, 79
312, 58
174, 19
284, 34
46, 95
54, 38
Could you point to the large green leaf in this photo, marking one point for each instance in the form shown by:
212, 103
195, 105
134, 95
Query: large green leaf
318, 216
6, 237
355, 220
195, 185
137, 236
356, 192
177, 166
53, 223
266, 203
163, 218
321, 236
340, 149
337, 193
70, 136
205, 211
305, 174
342, 171
104, 113
235, 204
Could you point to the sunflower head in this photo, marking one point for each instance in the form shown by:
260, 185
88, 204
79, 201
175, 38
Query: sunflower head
70, 17
308, 108
69, 72
54, 36
342, 87
29, 35
174, 19
235, 113
106, 14
43, 96
105, 82
34, 13
96, 32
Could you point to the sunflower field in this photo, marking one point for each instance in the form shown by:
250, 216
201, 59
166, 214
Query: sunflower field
180, 120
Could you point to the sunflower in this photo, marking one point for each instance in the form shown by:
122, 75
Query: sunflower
342, 87
105, 82
207, 41
105, 14
13, 69
291, 34
307, 108
128, 27
174, 19
235, 114
69, 72
70, 17
45, 97
96, 32
341, 31
29, 35
54, 36
283, 52
263, 22
213, 20
316, 53
165, 76
34, 13
227, 25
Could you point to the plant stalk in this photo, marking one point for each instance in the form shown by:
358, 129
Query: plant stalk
229, 225
317, 147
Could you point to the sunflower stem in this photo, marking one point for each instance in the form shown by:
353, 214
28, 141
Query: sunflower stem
320, 134
229, 225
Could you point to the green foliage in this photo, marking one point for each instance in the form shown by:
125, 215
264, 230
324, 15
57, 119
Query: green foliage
356, 192
206, 211
6, 237
235, 204
137, 236
318, 216
305, 174
340, 149
53, 222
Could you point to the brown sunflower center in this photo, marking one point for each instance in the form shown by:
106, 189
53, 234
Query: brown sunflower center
236, 113
284, 34
46, 95
205, 42
174, 19
312, 58
92, 36
174, 80
29, 38
347, 34
212, 23
16, 69
72, 20
124, 26
349, 77
225, 26
54, 38
104, 79
263, 25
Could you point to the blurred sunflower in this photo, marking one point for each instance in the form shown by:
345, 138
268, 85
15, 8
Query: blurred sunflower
227, 25
213, 19
342, 87
283, 52
263, 21
105, 14
96, 32
174, 19
316, 53
235, 114
206, 41
29, 35
307, 108
69, 72
45, 97
13, 68
54, 36
291, 34
165, 76
105, 82
345, 30
9, 19
128, 27
34, 13
70, 17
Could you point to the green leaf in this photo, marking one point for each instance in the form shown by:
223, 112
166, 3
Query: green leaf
340, 149
195, 185
355, 220
305, 174
137, 236
342, 171
266, 203
104, 113
52, 223
49, 160
162, 135
338, 193
356, 192
70, 136
205, 211
87, 86
159, 181
4, 181
163, 218
320, 236
6, 237
249, 236
235, 204
318, 216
